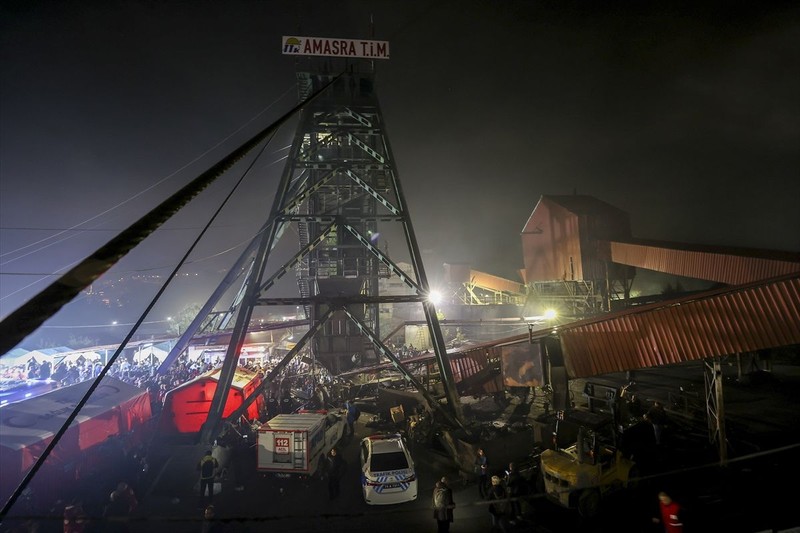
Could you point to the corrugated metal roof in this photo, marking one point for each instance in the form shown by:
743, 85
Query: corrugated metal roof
489, 281
733, 266
722, 322
472, 361
464, 364
745, 318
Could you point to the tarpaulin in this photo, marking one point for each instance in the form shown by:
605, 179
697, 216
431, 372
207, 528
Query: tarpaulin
28, 426
186, 407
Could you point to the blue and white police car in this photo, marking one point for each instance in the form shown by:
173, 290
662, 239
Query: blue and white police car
387, 470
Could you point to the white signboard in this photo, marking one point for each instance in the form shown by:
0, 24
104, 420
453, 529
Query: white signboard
281, 444
324, 46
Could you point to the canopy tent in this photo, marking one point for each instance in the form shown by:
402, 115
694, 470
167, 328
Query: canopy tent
77, 357
10, 358
151, 354
186, 407
28, 426
17, 357
23, 358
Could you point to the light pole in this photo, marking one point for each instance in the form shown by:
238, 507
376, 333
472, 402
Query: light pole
176, 324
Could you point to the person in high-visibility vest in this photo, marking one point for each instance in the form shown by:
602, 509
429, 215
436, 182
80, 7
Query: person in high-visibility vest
208, 468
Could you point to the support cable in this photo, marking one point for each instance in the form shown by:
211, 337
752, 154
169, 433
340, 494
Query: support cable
26, 319
96, 383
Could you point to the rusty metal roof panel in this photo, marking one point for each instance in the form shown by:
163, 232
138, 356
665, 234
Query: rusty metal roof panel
732, 266
721, 322
472, 361
489, 281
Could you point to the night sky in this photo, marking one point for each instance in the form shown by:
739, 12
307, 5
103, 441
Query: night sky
688, 118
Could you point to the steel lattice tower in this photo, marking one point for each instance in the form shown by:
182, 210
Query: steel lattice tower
340, 189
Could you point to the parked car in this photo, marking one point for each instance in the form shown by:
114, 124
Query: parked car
387, 470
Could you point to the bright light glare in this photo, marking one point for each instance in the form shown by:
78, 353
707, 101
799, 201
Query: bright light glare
550, 314
435, 297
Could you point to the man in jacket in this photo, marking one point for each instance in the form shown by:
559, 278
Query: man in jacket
443, 505
497, 509
336, 470
482, 470
514, 490
670, 514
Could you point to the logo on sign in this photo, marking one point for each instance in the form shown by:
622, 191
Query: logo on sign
281, 445
291, 45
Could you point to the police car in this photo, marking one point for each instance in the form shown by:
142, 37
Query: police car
387, 470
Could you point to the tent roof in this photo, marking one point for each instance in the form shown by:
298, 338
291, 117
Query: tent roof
241, 378
32, 420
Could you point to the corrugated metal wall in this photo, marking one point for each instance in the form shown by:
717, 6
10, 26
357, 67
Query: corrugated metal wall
560, 239
550, 239
736, 320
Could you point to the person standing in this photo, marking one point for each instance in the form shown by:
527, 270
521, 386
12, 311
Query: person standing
670, 514
658, 417
352, 415
336, 470
75, 518
207, 467
514, 490
126, 493
443, 505
482, 469
116, 514
497, 509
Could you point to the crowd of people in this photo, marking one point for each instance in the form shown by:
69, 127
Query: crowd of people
97, 499
144, 375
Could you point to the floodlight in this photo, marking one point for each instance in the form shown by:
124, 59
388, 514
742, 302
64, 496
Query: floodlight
435, 297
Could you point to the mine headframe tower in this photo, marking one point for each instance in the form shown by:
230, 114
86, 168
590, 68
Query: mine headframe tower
340, 190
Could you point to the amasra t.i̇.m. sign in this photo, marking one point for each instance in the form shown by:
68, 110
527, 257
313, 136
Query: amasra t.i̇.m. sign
324, 46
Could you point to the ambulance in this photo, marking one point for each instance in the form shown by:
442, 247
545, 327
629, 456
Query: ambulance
296, 444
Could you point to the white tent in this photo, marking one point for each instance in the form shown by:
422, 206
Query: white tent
149, 354
11, 358
74, 357
24, 358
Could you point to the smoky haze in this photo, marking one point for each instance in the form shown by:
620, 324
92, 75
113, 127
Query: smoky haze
685, 117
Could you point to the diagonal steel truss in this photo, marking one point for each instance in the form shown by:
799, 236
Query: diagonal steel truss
340, 192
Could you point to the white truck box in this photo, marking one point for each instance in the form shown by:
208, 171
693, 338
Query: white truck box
296, 443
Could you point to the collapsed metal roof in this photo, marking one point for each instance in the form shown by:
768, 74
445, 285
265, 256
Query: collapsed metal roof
739, 319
